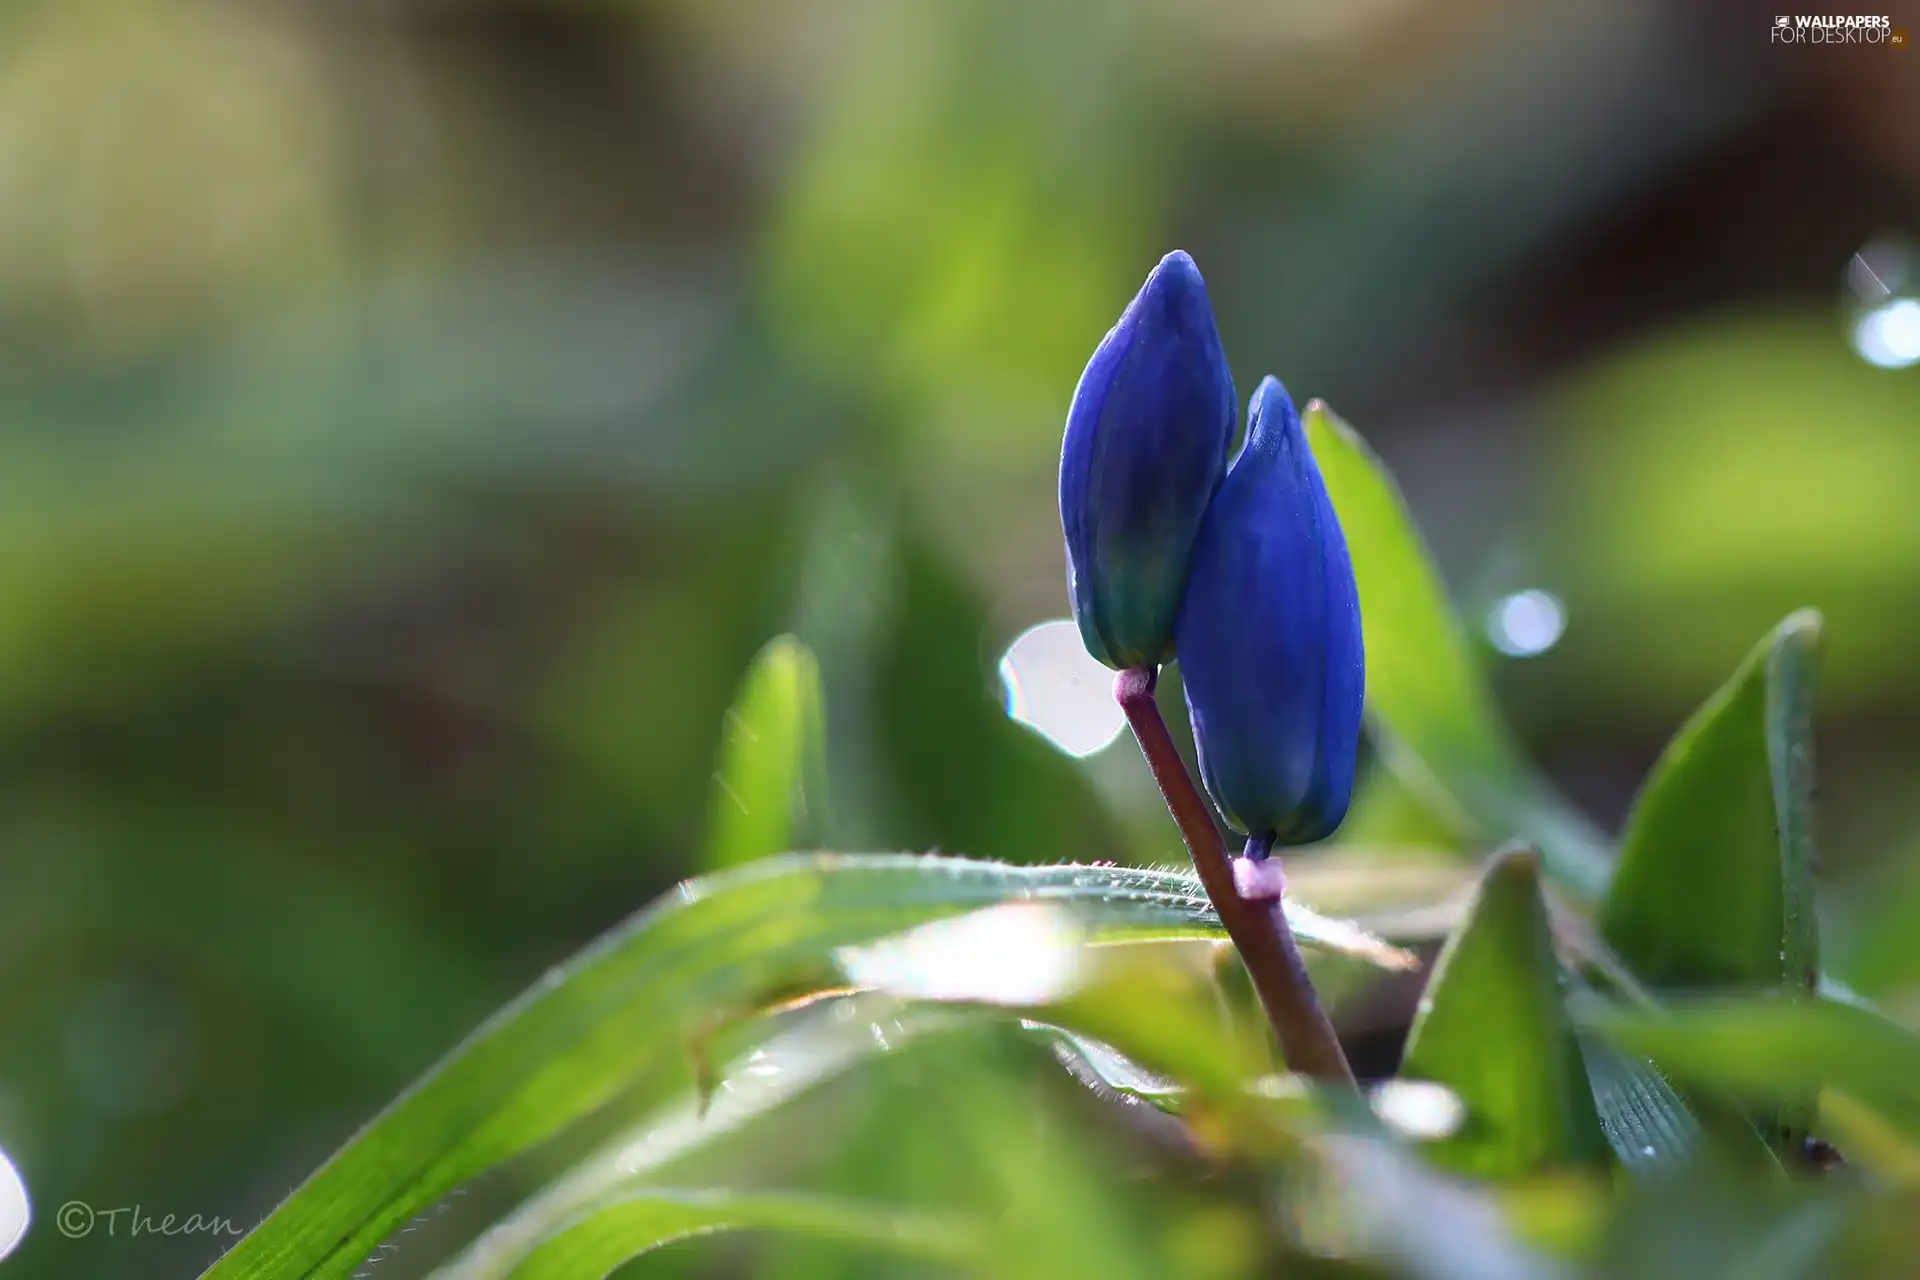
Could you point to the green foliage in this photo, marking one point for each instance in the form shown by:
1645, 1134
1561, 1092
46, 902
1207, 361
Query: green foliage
1725, 819
613, 1233
1781, 1052
772, 758
1647, 1123
1012, 1071
1722, 1229
632, 1012
1493, 1028
414, 418
1423, 683
1428, 707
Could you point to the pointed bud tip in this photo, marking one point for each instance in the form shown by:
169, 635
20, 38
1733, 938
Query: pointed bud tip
1270, 406
1146, 443
1178, 260
1515, 861
1176, 282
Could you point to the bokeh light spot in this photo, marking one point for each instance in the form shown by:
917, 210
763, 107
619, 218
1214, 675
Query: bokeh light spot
1419, 1109
15, 1212
1888, 337
1526, 623
1055, 687
1021, 953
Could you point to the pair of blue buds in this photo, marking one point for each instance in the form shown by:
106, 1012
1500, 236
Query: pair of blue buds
1240, 572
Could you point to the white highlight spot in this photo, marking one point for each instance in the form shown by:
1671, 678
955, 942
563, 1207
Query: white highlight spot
1419, 1109
1056, 688
1888, 337
1020, 953
1527, 623
15, 1213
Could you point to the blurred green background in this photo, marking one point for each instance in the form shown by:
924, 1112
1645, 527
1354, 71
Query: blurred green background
415, 413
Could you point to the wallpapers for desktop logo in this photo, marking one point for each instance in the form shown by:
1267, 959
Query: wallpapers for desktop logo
1812, 28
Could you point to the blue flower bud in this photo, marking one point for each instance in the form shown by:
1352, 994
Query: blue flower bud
1146, 445
1269, 638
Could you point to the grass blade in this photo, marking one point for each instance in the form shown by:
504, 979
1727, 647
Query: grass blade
772, 757
633, 1003
605, 1238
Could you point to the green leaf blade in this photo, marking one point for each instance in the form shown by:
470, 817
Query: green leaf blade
1646, 1122
1714, 889
632, 1004
1421, 672
1493, 1027
607, 1237
1776, 1051
1791, 678
772, 757
1429, 710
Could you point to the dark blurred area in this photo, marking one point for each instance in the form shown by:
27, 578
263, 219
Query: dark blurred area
414, 414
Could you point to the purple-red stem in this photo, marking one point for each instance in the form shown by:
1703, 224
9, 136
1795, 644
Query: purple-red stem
1257, 926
